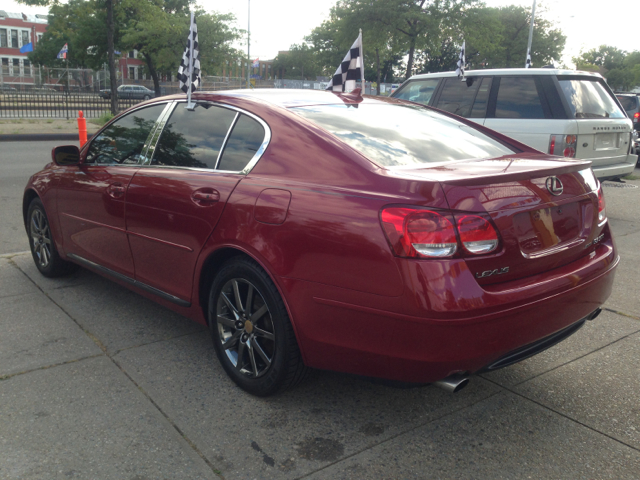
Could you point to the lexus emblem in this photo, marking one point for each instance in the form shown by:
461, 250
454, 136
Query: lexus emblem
554, 185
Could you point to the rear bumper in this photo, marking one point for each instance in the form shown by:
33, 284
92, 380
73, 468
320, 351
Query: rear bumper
621, 169
340, 330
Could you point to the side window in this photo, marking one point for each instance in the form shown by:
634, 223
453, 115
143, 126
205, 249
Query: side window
457, 95
419, 91
479, 109
518, 98
193, 138
245, 140
122, 141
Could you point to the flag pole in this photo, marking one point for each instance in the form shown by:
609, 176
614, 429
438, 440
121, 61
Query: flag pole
68, 83
533, 14
362, 90
190, 106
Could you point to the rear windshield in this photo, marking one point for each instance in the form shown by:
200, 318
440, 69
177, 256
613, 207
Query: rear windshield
589, 99
397, 135
628, 103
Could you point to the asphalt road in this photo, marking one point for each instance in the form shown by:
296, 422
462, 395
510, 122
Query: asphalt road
18, 161
99, 382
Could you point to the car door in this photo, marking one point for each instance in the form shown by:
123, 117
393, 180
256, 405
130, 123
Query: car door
174, 202
91, 200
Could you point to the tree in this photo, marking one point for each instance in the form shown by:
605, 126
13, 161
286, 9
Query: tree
299, 62
546, 46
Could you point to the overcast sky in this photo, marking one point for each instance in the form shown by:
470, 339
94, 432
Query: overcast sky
277, 24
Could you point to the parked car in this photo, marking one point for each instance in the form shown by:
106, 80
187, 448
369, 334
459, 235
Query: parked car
561, 112
130, 91
630, 102
7, 89
388, 240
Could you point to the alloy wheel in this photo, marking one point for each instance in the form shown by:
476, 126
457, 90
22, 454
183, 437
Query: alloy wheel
41, 238
245, 328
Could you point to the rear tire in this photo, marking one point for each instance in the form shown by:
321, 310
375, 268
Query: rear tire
251, 331
43, 248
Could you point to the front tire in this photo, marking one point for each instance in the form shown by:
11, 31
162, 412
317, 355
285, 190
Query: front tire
251, 330
43, 249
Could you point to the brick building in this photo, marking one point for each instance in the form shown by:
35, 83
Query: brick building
17, 30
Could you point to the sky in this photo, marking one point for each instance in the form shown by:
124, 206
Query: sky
277, 24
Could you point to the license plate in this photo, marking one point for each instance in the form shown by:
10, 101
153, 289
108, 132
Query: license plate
607, 141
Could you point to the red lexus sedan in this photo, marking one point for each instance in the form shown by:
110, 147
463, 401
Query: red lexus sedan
309, 229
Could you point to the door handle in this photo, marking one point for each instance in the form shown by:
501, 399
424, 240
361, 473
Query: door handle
116, 190
205, 196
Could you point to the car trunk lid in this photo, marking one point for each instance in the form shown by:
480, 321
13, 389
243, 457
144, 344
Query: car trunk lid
544, 209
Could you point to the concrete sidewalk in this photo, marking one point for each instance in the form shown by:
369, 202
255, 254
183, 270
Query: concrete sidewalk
100, 383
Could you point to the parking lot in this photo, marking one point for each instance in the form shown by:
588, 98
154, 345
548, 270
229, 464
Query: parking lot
98, 382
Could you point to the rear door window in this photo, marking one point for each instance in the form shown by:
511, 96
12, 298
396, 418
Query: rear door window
518, 98
588, 98
244, 142
193, 138
457, 95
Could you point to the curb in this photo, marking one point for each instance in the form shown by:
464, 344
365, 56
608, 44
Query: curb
35, 137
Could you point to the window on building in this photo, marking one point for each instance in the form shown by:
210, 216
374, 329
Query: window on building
39, 36
16, 67
3, 38
25, 37
27, 67
132, 54
5, 66
14, 39
132, 73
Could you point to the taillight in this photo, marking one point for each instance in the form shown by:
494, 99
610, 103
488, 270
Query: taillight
419, 233
477, 235
564, 145
602, 214
636, 116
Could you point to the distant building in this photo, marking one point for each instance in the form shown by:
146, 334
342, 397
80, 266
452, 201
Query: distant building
17, 30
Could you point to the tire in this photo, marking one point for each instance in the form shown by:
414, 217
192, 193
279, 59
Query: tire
43, 248
257, 348
147, 97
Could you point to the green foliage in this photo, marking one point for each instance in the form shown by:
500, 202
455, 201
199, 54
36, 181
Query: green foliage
621, 69
103, 119
158, 29
299, 62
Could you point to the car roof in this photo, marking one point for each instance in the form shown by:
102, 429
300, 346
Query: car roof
509, 71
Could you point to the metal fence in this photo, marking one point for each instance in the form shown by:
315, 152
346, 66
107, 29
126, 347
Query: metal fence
46, 103
56, 105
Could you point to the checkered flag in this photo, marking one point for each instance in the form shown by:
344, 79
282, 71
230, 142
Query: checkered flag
461, 60
350, 70
189, 71
528, 62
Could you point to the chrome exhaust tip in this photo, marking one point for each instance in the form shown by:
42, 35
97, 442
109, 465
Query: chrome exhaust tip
594, 314
452, 383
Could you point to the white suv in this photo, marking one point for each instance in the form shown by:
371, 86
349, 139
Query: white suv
561, 112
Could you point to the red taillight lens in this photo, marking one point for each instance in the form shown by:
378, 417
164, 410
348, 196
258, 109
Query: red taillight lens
602, 214
569, 152
477, 235
419, 233
636, 115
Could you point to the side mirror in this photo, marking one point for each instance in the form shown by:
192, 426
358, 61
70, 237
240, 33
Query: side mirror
66, 155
